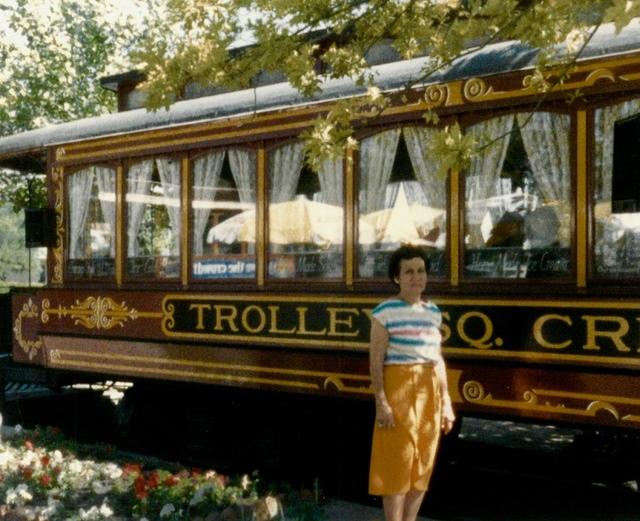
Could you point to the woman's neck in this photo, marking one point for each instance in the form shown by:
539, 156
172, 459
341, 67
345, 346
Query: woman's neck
410, 298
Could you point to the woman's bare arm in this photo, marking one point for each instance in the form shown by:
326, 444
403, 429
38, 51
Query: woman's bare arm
448, 416
379, 342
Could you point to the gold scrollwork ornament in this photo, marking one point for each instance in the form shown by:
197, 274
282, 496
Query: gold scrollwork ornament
436, 95
475, 89
93, 313
473, 391
30, 347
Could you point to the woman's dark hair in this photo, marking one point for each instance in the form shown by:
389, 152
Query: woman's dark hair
405, 252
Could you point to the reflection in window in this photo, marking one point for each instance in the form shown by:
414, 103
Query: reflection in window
224, 216
518, 198
92, 222
617, 229
305, 216
153, 219
401, 200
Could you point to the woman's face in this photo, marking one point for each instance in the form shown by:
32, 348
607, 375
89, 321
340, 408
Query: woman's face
412, 278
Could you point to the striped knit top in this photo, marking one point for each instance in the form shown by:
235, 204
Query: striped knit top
414, 331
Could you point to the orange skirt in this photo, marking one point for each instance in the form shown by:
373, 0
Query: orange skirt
403, 458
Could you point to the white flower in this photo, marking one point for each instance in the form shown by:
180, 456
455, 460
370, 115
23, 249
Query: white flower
245, 482
18, 429
5, 458
167, 510
11, 497
101, 487
75, 467
52, 506
112, 471
90, 514
105, 509
57, 456
18, 496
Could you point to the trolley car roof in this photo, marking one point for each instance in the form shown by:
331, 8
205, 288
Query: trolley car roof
26, 151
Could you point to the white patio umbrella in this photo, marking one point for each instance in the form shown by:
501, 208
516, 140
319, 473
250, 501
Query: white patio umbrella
402, 222
290, 222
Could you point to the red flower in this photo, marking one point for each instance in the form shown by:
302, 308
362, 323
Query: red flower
154, 480
171, 481
26, 472
140, 488
28, 445
45, 460
46, 480
131, 468
196, 471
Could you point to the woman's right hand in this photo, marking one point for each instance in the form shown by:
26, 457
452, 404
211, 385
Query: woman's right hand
384, 416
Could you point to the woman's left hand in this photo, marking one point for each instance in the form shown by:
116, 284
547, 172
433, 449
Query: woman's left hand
448, 417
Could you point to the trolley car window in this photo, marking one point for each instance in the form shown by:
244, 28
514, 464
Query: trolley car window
91, 223
224, 215
153, 219
306, 216
617, 190
401, 199
518, 198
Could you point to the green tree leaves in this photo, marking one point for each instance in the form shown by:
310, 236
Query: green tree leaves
310, 40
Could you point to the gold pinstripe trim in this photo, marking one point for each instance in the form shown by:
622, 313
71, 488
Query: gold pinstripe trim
184, 214
120, 191
261, 212
349, 214
581, 200
330, 377
454, 228
469, 352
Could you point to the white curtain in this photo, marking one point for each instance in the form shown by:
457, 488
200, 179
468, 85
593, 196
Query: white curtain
486, 166
377, 154
391, 194
605, 119
138, 183
330, 177
79, 195
169, 173
417, 140
285, 165
106, 178
243, 170
546, 140
206, 174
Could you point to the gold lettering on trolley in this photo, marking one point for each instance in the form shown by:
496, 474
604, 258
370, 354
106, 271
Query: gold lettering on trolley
335, 321
539, 336
229, 317
615, 336
302, 323
256, 311
482, 342
274, 311
200, 309
273, 319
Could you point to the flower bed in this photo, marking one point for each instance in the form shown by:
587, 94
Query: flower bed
44, 477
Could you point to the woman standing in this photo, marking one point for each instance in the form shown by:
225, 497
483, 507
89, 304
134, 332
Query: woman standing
410, 384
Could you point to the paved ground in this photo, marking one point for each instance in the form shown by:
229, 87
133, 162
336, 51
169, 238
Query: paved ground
338, 510
506, 471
